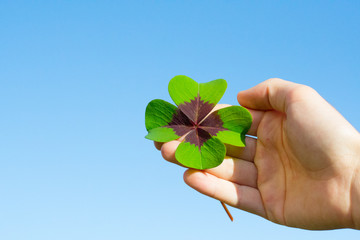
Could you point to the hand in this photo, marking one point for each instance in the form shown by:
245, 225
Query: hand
301, 171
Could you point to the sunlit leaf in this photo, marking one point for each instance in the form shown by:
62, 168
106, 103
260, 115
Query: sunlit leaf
204, 134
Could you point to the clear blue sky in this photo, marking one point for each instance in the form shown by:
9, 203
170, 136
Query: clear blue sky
75, 78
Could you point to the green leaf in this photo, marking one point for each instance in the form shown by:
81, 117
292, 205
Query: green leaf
162, 134
210, 154
205, 134
158, 114
236, 120
196, 100
230, 137
212, 91
183, 89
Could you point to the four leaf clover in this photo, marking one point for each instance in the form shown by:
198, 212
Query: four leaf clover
204, 133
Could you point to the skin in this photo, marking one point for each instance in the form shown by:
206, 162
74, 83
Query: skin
301, 171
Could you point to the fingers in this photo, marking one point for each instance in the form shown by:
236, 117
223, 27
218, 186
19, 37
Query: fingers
245, 153
236, 171
219, 106
158, 145
256, 116
243, 197
231, 169
168, 151
268, 95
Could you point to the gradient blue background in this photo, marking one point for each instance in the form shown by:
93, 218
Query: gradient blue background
75, 78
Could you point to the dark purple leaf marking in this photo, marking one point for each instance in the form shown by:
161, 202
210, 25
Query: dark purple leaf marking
213, 124
180, 123
189, 119
197, 136
196, 109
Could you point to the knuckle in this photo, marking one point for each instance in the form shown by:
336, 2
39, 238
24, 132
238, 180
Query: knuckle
274, 80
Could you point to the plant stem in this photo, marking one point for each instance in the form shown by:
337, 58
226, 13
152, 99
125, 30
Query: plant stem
227, 211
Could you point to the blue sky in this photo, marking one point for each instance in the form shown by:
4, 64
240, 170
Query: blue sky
76, 76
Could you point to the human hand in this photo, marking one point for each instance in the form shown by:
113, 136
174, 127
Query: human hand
301, 171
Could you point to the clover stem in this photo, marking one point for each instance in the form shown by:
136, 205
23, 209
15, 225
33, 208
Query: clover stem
227, 211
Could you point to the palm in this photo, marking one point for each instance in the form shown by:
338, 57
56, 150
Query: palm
296, 188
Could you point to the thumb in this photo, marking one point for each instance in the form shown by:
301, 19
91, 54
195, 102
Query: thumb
272, 94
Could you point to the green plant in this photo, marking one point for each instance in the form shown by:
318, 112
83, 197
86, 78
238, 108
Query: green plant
205, 132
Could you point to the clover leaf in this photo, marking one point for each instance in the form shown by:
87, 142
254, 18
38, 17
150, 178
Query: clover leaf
204, 133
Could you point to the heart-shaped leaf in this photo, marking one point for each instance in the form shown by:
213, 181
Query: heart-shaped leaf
205, 134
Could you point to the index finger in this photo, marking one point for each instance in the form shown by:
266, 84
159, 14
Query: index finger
272, 94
